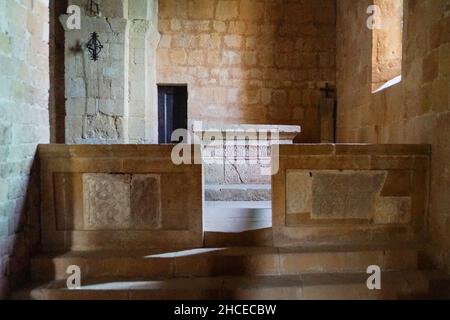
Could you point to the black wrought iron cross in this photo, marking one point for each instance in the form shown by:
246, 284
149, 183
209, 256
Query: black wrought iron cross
94, 46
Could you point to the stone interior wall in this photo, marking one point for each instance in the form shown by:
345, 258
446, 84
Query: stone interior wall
417, 110
387, 42
249, 61
24, 123
112, 100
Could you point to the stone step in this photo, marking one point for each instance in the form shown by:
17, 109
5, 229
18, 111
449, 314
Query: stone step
394, 285
240, 218
207, 262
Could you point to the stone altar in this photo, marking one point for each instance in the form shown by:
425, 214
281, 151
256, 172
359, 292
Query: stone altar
237, 172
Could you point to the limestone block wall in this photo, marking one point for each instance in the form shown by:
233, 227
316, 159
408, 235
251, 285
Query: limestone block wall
249, 61
417, 110
96, 91
24, 123
111, 100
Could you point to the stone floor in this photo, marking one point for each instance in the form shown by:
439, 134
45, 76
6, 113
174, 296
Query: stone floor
234, 273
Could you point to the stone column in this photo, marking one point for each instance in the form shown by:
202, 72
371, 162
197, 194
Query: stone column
143, 38
112, 100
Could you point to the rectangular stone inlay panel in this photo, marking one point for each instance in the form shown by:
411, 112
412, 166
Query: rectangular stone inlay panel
298, 191
121, 202
346, 194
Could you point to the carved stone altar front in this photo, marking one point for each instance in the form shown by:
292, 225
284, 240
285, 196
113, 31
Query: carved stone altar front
119, 196
121, 202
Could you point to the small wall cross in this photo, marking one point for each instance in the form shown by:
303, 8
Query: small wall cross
328, 89
94, 8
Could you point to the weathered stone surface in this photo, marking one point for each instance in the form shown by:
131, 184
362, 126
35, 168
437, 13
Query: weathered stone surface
398, 184
392, 210
201, 9
146, 201
227, 10
101, 127
214, 173
121, 202
340, 195
349, 194
106, 202
298, 192
246, 173
230, 194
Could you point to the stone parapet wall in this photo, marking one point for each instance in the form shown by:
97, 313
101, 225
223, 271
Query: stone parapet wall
346, 194
119, 197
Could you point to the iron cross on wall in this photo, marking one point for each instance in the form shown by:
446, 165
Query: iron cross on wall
328, 90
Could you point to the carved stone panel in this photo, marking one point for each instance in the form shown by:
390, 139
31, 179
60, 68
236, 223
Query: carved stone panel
106, 201
146, 201
121, 202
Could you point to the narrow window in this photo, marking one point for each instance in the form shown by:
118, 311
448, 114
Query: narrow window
387, 44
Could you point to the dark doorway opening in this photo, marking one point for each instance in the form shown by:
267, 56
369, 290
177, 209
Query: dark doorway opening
172, 111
